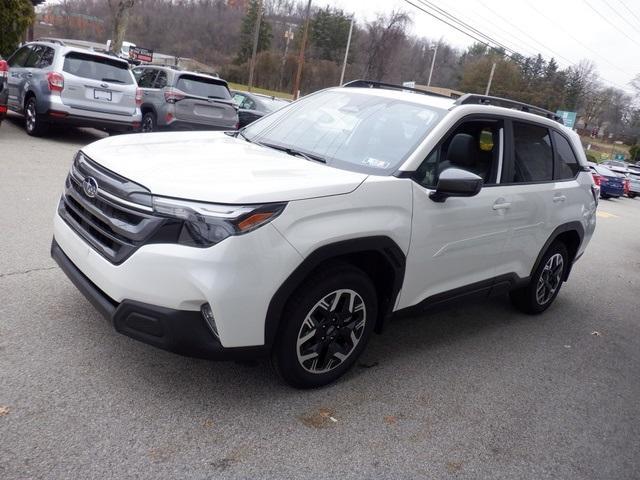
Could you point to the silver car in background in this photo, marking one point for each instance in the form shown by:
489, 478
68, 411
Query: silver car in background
50, 82
176, 99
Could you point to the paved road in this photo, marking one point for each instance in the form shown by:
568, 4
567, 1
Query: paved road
479, 391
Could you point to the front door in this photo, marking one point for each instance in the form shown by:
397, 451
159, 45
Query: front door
459, 242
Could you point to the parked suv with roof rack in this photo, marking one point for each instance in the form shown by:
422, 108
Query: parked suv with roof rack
176, 99
303, 233
50, 82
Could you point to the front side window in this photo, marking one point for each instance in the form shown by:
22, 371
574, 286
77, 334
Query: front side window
349, 129
567, 165
97, 68
532, 154
473, 146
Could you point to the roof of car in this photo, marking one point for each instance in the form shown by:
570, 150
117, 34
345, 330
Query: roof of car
79, 49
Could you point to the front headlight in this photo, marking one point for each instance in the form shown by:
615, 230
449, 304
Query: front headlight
205, 224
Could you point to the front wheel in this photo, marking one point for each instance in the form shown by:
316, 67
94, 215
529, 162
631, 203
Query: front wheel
33, 123
545, 282
327, 324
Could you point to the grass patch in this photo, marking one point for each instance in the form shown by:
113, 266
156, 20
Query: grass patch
264, 91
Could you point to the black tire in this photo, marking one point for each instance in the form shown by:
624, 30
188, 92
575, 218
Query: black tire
149, 123
33, 123
528, 298
335, 330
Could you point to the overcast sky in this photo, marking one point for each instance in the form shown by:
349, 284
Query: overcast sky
605, 31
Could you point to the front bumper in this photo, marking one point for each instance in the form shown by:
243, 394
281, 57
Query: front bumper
180, 331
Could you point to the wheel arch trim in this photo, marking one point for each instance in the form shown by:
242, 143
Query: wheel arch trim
576, 227
382, 245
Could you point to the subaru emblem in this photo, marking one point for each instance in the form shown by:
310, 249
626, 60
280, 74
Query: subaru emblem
90, 187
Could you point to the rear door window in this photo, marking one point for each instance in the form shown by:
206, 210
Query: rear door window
145, 77
161, 80
533, 154
97, 68
34, 56
203, 87
567, 165
19, 58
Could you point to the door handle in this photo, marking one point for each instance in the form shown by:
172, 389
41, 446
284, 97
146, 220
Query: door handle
559, 198
500, 205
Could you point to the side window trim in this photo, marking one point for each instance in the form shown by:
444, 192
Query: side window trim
500, 155
556, 157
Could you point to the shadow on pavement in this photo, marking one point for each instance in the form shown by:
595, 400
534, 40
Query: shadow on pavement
61, 133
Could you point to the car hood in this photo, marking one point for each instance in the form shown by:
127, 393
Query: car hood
214, 167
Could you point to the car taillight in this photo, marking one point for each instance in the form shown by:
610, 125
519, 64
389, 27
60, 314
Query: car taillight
173, 95
138, 97
597, 179
4, 69
603, 180
56, 81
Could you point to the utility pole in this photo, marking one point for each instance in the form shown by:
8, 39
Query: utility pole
288, 35
256, 38
346, 53
296, 83
493, 69
433, 62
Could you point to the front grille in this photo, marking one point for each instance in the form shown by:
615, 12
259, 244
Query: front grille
117, 220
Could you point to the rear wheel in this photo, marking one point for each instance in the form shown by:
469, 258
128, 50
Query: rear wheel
545, 282
149, 123
33, 123
327, 324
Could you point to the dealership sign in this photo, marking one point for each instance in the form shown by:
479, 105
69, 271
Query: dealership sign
141, 54
568, 118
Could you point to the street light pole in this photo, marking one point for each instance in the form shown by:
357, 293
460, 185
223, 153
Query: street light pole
493, 69
256, 38
346, 53
433, 61
296, 83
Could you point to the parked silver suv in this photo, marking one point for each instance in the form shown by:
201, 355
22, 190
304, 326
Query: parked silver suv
50, 82
182, 100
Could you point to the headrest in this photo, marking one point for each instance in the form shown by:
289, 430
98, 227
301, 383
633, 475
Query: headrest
462, 150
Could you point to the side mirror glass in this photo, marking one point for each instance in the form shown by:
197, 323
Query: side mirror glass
455, 182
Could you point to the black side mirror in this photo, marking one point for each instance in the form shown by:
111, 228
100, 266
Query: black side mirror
454, 182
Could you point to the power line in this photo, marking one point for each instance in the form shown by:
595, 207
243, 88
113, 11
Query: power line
483, 42
633, 27
532, 7
629, 10
609, 22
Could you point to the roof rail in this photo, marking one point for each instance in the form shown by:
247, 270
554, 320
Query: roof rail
50, 40
473, 98
390, 86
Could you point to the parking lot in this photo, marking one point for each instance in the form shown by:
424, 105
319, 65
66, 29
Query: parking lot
477, 391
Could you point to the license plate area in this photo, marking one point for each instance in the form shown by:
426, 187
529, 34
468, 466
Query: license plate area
102, 94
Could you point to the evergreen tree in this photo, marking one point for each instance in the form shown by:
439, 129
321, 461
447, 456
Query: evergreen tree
247, 32
15, 18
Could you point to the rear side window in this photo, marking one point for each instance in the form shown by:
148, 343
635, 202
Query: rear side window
145, 77
203, 87
19, 58
533, 155
97, 68
567, 165
161, 80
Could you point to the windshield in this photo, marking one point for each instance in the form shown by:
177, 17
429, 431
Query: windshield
605, 171
97, 68
349, 129
203, 87
273, 104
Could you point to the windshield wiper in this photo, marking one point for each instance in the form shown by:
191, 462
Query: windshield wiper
294, 152
112, 80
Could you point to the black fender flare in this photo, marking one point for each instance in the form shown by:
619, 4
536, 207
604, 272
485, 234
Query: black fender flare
383, 245
565, 227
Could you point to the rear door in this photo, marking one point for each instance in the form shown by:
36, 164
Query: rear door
98, 84
17, 77
207, 101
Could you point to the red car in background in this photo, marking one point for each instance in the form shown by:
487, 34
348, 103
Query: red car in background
4, 88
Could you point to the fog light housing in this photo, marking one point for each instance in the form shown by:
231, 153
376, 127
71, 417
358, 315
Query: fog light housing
207, 314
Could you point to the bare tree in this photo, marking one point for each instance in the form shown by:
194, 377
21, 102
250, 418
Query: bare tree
386, 36
120, 10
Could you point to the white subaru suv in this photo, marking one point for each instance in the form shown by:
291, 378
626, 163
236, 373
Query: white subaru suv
303, 233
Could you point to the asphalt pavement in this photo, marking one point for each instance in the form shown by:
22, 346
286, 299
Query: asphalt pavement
476, 391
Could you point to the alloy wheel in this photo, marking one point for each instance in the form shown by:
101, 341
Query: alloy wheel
550, 279
30, 116
331, 331
147, 124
